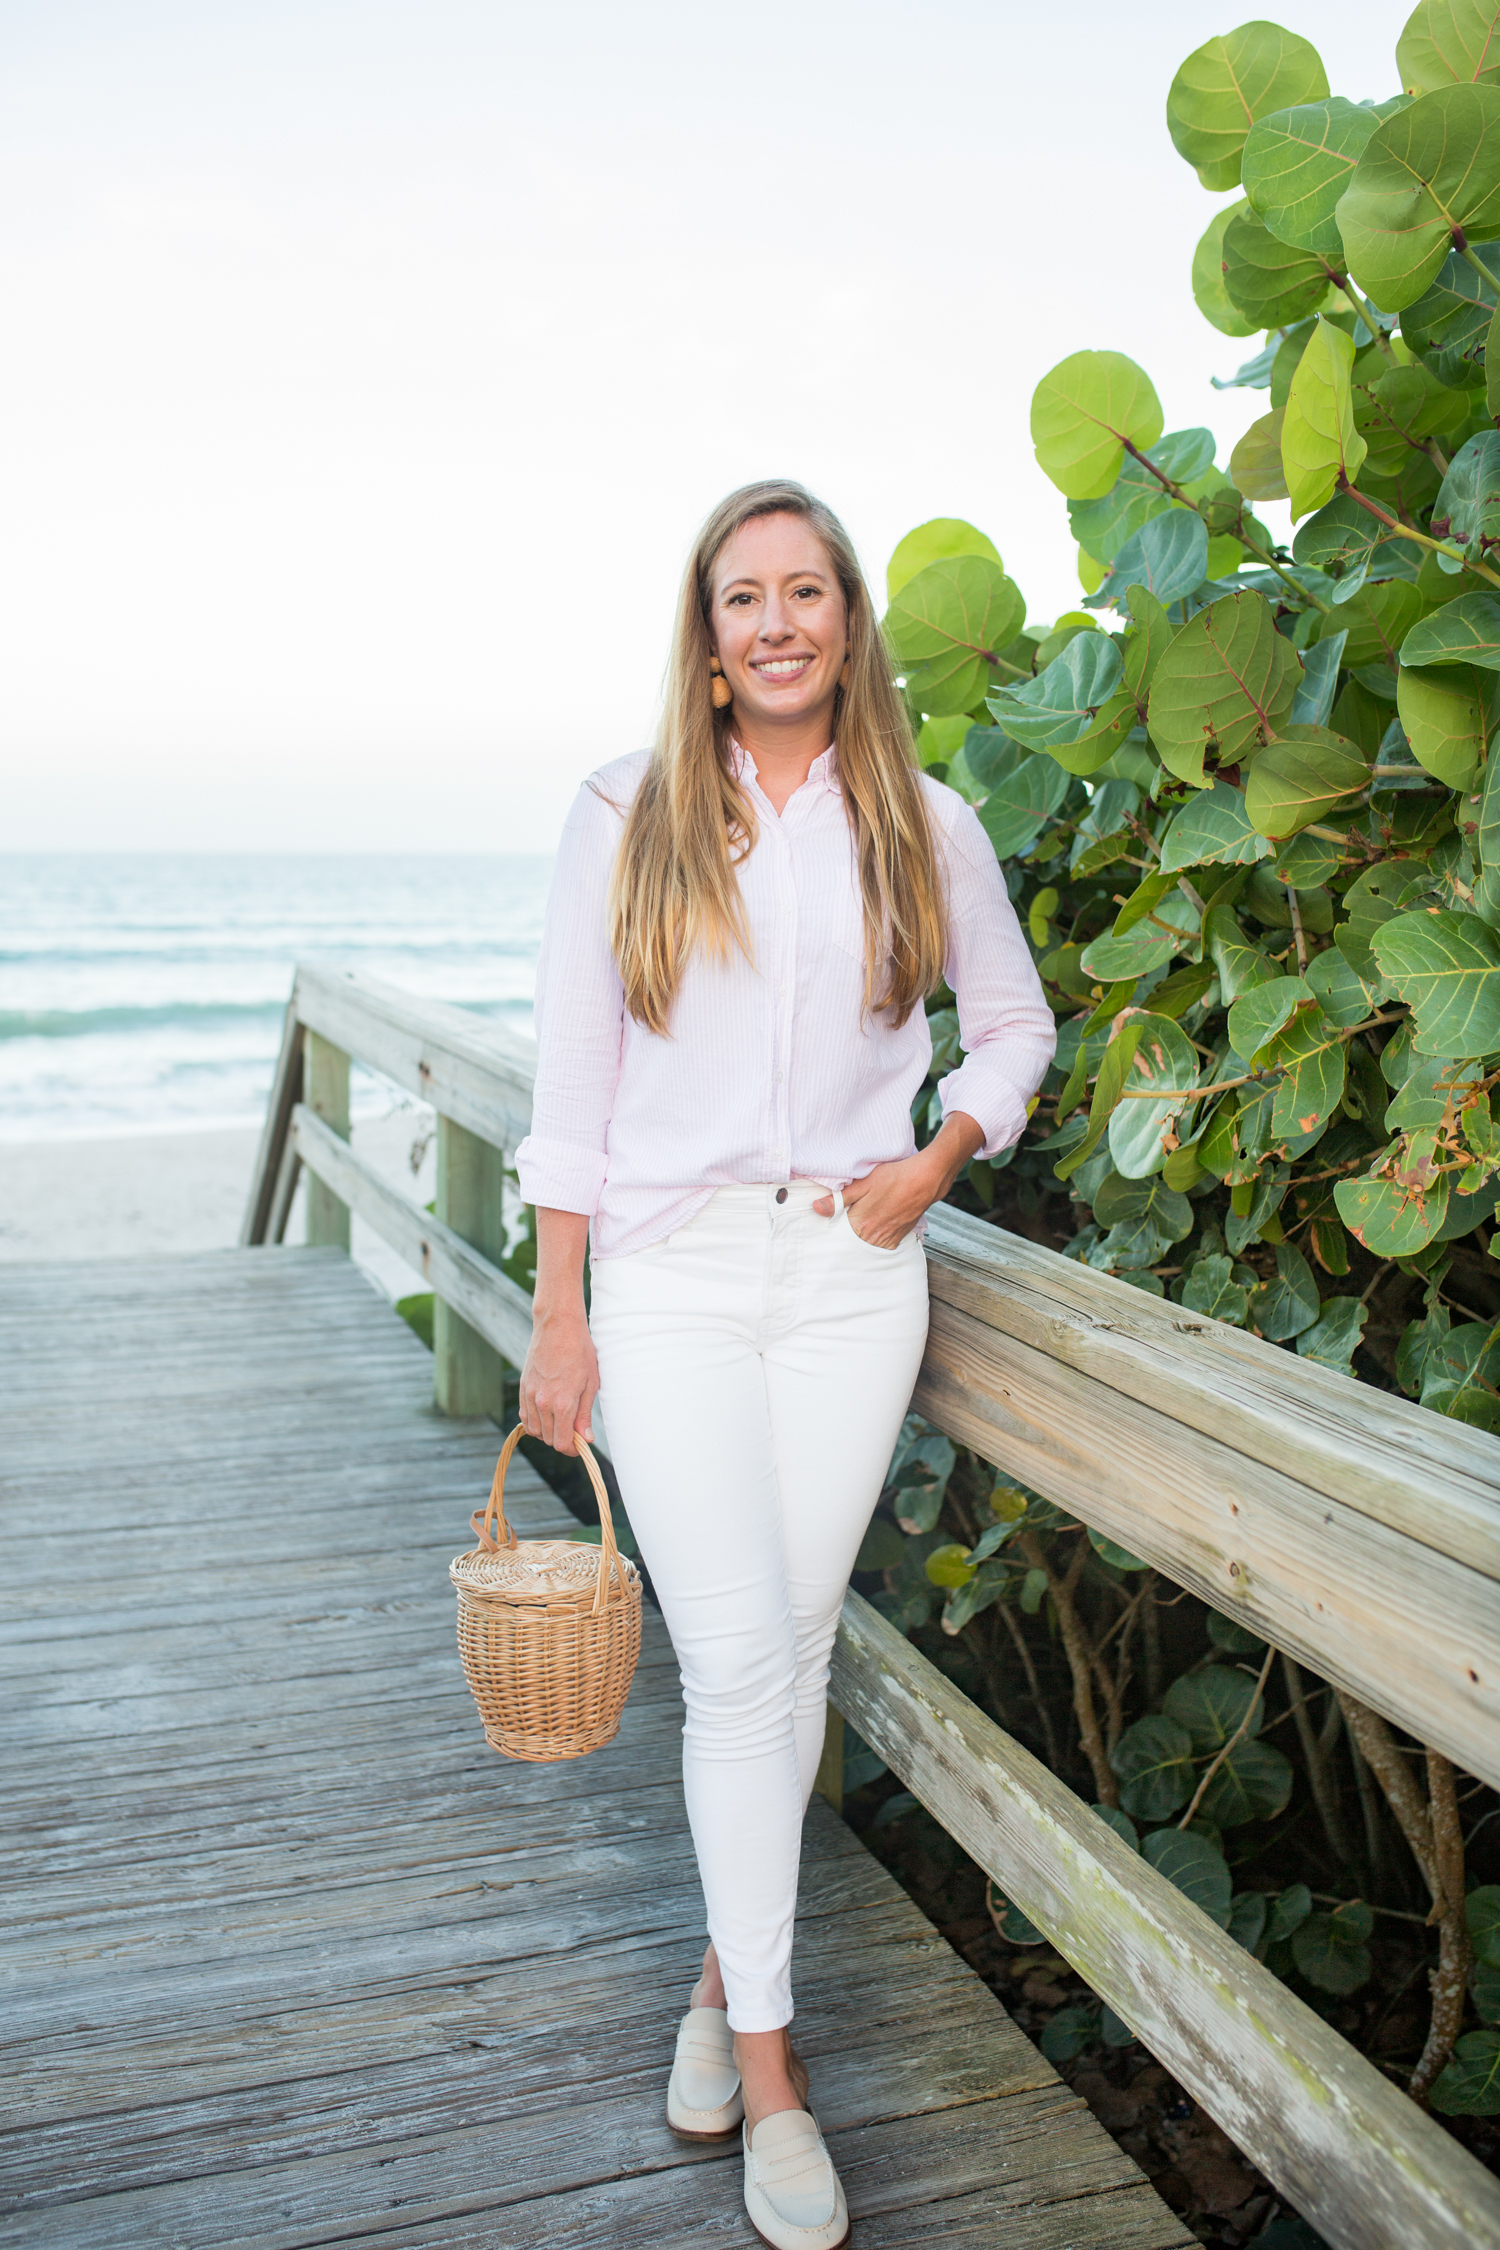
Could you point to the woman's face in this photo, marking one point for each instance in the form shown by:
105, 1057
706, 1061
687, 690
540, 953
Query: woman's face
778, 621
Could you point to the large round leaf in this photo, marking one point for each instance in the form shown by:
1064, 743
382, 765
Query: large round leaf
1209, 293
1330, 1949
1024, 792
1213, 1705
1448, 325
1427, 176
1102, 527
1312, 1059
1467, 509
1169, 557
1320, 446
1255, 463
1271, 283
1470, 2084
948, 624
1173, 924
1161, 1083
1446, 968
1301, 777
1225, 685
1398, 410
1215, 826
1377, 621
1226, 84
1260, 1011
1199, 1871
1253, 1783
1297, 163
1466, 631
937, 541
1350, 544
1153, 1759
1078, 695
1083, 412
1286, 1304
1449, 42
1443, 711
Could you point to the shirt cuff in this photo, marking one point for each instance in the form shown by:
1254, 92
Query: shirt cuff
560, 1175
997, 1107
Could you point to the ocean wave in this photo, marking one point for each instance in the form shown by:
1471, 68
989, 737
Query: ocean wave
78, 1023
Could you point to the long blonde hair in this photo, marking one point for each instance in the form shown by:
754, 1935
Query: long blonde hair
674, 887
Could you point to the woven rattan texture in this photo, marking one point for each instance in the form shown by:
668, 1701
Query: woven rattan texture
548, 1630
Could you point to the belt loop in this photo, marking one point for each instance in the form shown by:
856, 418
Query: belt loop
838, 1203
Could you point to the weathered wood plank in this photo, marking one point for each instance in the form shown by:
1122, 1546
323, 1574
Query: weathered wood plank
265, 1180
1229, 2030
1331, 1585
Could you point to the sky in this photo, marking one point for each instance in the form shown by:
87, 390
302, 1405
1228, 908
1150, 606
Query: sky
369, 367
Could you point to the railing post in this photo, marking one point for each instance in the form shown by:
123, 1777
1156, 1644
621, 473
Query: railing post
326, 1092
468, 1373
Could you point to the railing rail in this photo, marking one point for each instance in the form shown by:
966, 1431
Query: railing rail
1355, 1531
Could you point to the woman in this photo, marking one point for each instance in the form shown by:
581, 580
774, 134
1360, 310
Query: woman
742, 928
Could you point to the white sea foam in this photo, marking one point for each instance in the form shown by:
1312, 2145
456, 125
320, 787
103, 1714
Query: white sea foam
141, 994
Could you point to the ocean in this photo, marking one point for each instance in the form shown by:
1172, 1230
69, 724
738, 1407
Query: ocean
146, 993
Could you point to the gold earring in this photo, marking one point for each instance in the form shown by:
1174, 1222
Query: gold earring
719, 687
848, 668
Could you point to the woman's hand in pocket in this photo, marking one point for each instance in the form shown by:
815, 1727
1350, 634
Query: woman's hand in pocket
886, 1204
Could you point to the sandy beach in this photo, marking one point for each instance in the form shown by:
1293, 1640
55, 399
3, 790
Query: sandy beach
149, 1194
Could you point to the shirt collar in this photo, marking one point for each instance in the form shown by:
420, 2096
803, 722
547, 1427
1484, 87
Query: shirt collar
823, 770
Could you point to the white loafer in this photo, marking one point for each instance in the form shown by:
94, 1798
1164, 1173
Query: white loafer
792, 2192
704, 2102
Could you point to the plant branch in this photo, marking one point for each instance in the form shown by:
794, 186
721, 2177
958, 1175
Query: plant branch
1234, 1741
1400, 530
1080, 1658
1317, 1753
1038, 1699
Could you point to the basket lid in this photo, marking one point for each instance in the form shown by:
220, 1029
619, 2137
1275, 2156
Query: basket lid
534, 1570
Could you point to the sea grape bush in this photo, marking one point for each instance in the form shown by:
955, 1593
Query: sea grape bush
1244, 800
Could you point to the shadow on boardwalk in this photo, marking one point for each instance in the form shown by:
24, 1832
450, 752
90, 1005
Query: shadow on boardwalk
291, 1957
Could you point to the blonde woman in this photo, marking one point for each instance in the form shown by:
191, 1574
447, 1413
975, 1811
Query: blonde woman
742, 928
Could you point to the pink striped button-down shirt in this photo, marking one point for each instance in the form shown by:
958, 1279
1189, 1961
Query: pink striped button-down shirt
771, 1071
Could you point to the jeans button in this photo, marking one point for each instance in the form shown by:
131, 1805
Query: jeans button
781, 1195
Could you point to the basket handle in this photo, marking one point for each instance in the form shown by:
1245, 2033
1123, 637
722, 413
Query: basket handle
610, 1563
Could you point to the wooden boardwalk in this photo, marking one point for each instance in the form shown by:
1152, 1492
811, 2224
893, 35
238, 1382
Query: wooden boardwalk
289, 1956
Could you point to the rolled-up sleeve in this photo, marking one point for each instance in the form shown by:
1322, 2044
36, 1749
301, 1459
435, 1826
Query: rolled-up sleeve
1005, 1026
580, 1018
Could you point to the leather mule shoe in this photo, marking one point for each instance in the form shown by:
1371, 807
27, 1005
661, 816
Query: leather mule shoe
704, 2102
792, 2192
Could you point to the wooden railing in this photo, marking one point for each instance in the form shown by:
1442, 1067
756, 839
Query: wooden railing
1356, 1532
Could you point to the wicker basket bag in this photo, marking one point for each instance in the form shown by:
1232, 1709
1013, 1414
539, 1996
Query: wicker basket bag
548, 1629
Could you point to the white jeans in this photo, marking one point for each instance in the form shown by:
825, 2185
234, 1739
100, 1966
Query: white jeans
755, 1367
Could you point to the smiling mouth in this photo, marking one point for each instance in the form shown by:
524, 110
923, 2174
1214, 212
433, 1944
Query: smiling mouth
781, 667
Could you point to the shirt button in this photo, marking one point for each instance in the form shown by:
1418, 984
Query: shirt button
781, 1195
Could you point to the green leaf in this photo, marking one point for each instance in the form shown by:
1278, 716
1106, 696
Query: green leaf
1074, 699
1449, 42
1191, 1863
1330, 1949
1347, 541
949, 1565
938, 541
1067, 2033
1102, 526
1487, 845
1209, 293
1174, 924
1211, 1289
1427, 174
1168, 556
1119, 1199
1224, 685
1211, 1705
1313, 702
1024, 790
1121, 1822
1469, 2085
1289, 1910
1119, 1558
1301, 777
1482, 1913
1253, 1783
1238, 963
1164, 1065
1467, 509
1081, 415
1446, 968
1345, 997
1448, 326
1443, 711
1231, 1638
1247, 1918
1377, 620
1182, 990
1297, 163
1460, 1372
1229, 82
1392, 1217
1257, 1015
1271, 283
1118, 1056
1334, 1336
1282, 1308
1144, 899
1255, 463
1319, 442
1215, 826
1153, 1759
1312, 1059
947, 625
941, 740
